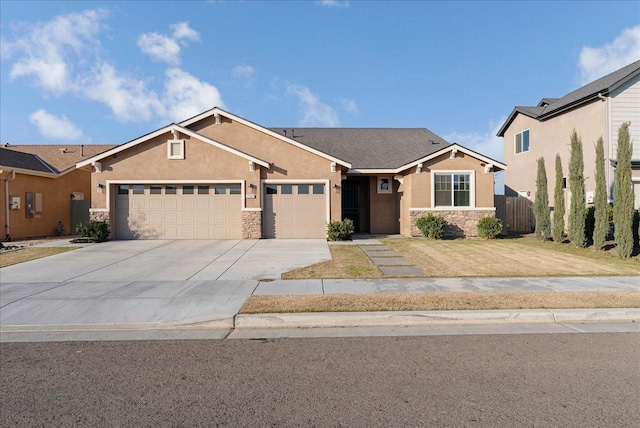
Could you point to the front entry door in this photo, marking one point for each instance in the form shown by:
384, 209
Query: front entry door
351, 203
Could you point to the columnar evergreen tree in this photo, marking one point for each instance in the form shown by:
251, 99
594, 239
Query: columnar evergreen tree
623, 195
541, 204
576, 185
558, 203
602, 217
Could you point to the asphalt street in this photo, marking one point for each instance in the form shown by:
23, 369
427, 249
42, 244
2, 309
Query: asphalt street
569, 380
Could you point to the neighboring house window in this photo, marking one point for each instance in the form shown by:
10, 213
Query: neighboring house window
175, 149
452, 189
522, 142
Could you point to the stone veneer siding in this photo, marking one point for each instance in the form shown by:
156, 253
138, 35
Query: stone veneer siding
460, 223
99, 215
251, 224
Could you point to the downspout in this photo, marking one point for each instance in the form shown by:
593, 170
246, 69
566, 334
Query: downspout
6, 200
607, 145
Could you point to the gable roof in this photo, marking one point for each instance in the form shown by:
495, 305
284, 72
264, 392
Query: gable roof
582, 95
218, 111
11, 159
167, 129
370, 148
62, 157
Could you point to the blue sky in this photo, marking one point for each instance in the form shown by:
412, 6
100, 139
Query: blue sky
109, 72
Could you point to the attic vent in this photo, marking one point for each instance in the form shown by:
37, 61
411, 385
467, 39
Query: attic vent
175, 149
432, 142
63, 149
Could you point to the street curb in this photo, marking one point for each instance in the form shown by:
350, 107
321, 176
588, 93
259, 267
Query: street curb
421, 318
224, 322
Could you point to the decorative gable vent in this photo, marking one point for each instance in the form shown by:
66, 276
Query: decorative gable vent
175, 149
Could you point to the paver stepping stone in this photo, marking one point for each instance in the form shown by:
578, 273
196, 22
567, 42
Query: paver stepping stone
389, 261
388, 253
396, 271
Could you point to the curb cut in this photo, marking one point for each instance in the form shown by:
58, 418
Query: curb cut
423, 318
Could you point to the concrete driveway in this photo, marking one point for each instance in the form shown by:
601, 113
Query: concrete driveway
129, 284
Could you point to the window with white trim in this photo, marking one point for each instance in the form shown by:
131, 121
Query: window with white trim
175, 149
522, 142
452, 189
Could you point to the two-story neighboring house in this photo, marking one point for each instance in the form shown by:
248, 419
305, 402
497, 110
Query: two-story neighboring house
594, 110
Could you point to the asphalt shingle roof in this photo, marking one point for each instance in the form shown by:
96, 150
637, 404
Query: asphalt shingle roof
62, 159
369, 148
585, 93
14, 159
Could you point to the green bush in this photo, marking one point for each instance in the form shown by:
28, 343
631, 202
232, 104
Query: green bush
340, 230
432, 226
94, 231
489, 227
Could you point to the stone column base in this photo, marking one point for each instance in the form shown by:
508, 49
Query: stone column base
98, 214
251, 224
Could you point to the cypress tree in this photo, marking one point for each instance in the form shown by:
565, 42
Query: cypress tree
558, 203
541, 204
576, 185
600, 204
623, 195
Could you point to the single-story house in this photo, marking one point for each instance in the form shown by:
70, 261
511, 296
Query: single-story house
41, 189
217, 175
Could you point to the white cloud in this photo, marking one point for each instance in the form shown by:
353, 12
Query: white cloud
188, 96
43, 49
128, 98
245, 73
63, 55
181, 30
600, 61
348, 105
59, 128
333, 3
167, 48
485, 143
315, 112
160, 48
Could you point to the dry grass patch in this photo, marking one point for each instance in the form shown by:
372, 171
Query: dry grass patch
509, 257
14, 257
348, 261
439, 302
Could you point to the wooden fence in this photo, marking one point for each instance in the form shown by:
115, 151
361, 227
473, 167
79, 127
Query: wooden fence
516, 213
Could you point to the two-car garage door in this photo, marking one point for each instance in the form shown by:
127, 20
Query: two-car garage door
204, 211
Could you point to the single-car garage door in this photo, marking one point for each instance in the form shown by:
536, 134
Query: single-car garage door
295, 211
203, 211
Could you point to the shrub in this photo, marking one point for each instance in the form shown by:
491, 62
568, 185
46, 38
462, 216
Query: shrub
94, 231
340, 230
489, 227
576, 185
623, 194
432, 226
558, 203
541, 204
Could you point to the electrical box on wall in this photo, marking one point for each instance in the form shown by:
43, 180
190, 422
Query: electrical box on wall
14, 203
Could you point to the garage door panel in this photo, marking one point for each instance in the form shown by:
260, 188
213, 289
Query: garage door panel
177, 215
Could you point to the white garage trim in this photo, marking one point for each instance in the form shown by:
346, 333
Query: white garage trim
116, 182
327, 190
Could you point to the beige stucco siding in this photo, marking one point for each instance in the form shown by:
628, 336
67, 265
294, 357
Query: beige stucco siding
384, 207
289, 162
56, 203
149, 161
548, 138
421, 186
625, 107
